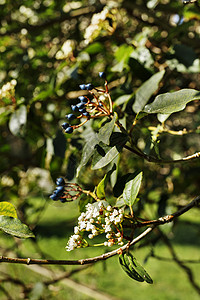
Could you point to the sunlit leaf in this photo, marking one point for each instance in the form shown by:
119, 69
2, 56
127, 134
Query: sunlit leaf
15, 227
169, 103
7, 209
131, 189
146, 90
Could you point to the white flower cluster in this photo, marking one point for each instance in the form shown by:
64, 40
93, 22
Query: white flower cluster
7, 89
98, 220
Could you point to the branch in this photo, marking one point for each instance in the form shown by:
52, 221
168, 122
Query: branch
153, 224
162, 161
169, 218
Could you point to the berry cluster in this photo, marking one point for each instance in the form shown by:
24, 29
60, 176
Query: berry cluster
89, 108
98, 219
65, 192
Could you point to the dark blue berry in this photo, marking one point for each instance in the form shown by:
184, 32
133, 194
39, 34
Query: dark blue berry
74, 107
70, 116
63, 200
69, 130
86, 114
60, 181
89, 86
59, 190
65, 125
82, 110
83, 99
102, 75
80, 105
82, 87
54, 197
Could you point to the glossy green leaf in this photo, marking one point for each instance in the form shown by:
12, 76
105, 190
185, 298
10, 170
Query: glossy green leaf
131, 189
88, 150
103, 158
7, 209
146, 90
133, 268
127, 267
106, 131
18, 120
169, 103
15, 227
100, 191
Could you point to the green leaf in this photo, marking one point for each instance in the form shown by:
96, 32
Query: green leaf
125, 263
88, 150
104, 155
100, 192
146, 90
131, 189
7, 209
132, 267
14, 227
106, 131
18, 120
169, 103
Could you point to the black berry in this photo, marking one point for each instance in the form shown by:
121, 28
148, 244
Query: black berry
102, 75
65, 125
70, 116
80, 105
60, 181
69, 130
74, 107
82, 87
89, 86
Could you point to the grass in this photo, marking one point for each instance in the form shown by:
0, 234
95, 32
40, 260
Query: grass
53, 230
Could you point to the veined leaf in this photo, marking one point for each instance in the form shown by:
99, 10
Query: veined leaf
169, 103
106, 131
146, 90
88, 151
15, 227
131, 190
7, 209
104, 155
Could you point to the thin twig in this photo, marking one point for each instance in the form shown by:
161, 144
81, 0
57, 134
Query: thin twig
162, 161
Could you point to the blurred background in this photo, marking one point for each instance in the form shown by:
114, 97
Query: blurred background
48, 48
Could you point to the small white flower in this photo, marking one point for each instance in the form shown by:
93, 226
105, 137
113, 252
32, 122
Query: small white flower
117, 220
109, 208
119, 239
91, 220
110, 244
108, 235
105, 243
120, 243
107, 228
82, 225
76, 230
90, 236
115, 212
118, 234
107, 221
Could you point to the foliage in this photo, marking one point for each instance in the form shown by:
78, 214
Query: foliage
129, 157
